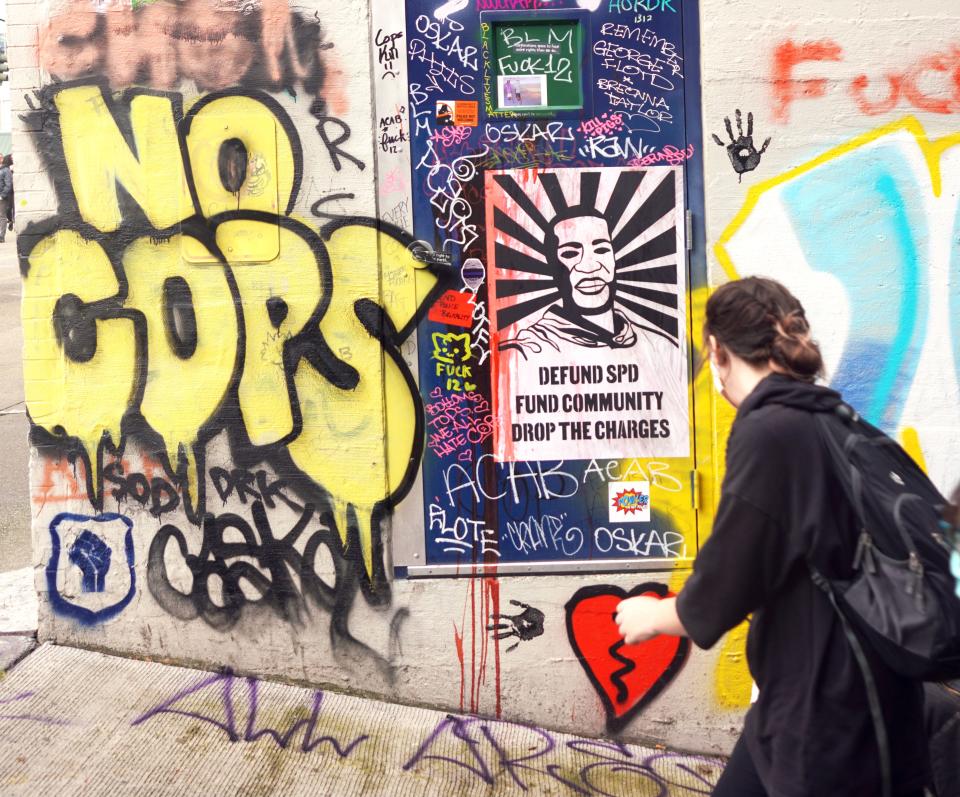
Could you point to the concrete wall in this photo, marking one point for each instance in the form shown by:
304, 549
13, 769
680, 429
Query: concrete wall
854, 205
194, 418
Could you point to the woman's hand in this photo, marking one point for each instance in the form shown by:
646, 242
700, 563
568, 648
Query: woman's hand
644, 617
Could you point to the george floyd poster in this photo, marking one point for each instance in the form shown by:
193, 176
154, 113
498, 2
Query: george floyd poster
588, 288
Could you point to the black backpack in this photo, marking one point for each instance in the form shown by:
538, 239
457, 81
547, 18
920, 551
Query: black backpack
902, 598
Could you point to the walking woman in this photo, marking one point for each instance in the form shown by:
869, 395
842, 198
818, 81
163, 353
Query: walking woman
809, 733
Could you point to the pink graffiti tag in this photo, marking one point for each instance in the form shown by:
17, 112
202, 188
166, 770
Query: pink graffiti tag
457, 420
448, 136
601, 125
669, 155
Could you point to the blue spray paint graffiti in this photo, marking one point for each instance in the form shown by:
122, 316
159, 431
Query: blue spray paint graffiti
865, 225
91, 542
92, 555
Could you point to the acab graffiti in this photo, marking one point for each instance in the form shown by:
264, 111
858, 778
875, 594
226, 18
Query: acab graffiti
176, 297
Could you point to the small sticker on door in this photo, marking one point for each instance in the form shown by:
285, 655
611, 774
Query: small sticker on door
629, 502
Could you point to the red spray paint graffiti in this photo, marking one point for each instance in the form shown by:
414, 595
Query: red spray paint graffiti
787, 88
627, 677
931, 84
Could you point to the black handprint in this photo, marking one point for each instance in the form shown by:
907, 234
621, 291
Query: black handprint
526, 625
743, 154
92, 556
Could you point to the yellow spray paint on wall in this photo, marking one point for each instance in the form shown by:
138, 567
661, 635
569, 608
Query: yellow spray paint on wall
97, 157
86, 392
182, 389
344, 445
171, 323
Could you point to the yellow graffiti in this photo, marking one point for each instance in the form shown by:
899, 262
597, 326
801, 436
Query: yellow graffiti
910, 441
359, 442
85, 398
201, 321
171, 411
445, 347
270, 157
732, 683
97, 157
294, 278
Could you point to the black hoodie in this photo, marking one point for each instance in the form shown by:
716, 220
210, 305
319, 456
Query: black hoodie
809, 733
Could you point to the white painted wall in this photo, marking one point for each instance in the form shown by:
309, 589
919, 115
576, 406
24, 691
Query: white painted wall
860, 50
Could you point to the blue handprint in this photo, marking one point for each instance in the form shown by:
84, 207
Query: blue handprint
92, 555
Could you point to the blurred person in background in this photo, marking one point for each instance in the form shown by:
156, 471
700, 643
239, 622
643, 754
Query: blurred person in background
6, 196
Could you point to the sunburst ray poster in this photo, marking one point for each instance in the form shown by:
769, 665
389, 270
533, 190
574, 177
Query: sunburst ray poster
588, 332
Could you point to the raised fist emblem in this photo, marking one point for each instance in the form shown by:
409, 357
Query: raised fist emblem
92, 555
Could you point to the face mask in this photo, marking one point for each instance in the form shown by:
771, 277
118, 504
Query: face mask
717, 381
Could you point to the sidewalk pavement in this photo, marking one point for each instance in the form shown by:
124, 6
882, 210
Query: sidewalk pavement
76, 722
18, 616
15, 506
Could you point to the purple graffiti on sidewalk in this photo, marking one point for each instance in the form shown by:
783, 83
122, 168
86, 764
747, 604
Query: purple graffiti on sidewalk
498, 753
250, 734
29, 717
606, 759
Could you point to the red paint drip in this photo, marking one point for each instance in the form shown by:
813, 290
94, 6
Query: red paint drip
473, 642
494, 586
489, 607
485, 615
458, 642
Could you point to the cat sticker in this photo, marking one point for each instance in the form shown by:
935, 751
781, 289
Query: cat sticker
451, 348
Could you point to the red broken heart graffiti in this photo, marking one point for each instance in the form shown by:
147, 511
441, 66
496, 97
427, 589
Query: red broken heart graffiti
627, 677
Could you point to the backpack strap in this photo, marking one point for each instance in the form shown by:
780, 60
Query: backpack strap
873, 699
852, 439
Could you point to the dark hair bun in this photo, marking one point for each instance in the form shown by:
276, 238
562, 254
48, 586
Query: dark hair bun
760, 321
793, 350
